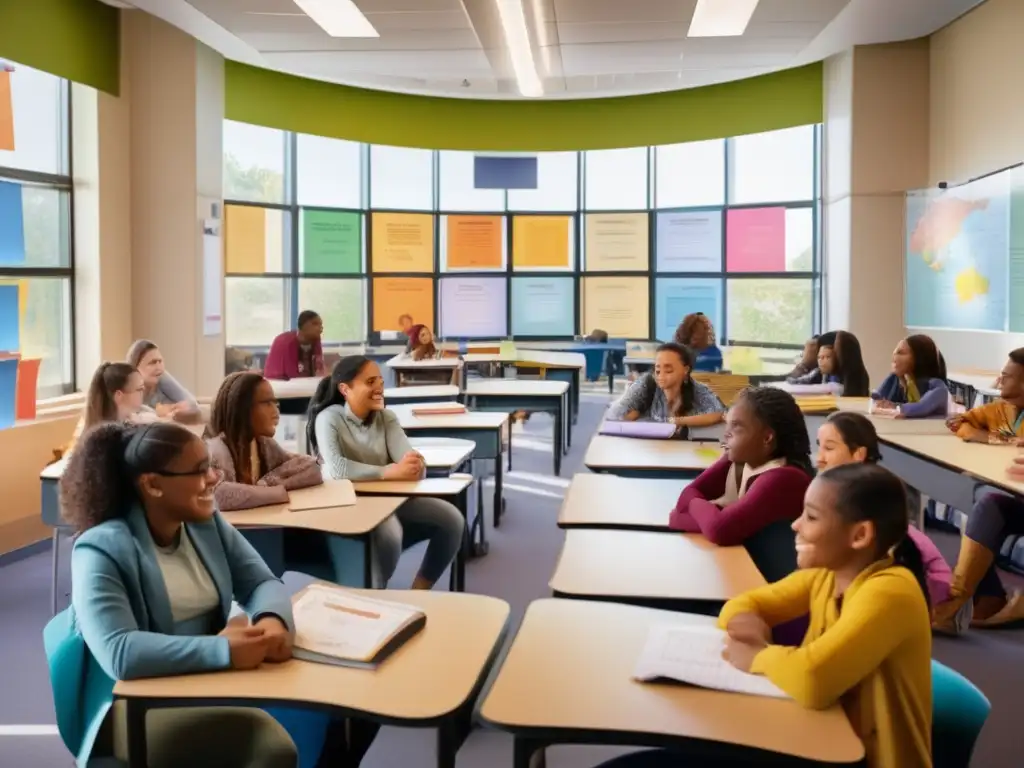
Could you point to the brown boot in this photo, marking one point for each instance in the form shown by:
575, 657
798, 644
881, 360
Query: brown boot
1011, 613
974, 560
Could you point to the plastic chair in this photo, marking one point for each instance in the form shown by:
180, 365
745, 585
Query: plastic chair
959, 710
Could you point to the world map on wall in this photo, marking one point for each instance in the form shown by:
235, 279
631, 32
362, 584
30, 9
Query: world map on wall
957, 256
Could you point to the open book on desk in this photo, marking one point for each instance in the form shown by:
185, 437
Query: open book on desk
693, 654
330, 493
651, 430
337, 626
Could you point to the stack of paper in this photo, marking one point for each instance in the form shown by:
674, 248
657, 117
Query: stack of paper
693, 654
654, 430
438, 409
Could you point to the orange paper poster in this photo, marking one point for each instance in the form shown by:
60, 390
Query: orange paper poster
474, 242
618, 305
397, 296
543, 242
616, 242
402, 242
253, 240
6, 111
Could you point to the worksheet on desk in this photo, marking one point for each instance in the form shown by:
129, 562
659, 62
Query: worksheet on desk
693, 654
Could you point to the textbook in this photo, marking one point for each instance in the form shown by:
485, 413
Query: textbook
653, 430
817, 403
692, 654
341, 627
330, 493
438, 409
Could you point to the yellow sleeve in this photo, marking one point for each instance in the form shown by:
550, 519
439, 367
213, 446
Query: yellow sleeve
873, 624
984, 417
785, 600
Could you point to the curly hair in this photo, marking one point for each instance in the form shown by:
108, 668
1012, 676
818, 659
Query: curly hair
777, 410
695, 331
98, 483
231, 417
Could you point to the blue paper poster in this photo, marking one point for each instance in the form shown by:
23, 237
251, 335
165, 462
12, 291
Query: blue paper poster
12, 224
10, 333
8, 391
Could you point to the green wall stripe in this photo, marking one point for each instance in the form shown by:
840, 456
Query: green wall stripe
76, 39
288, 102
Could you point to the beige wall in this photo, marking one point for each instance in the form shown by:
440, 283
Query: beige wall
977, 126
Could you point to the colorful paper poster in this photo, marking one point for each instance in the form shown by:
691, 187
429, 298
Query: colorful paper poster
341, 303
618, 305
677, 297
755, 240
332, 242
253, 240
28, 381
6, 110
473, 308
8, 391
397, 296
22, 286
616, 242
543, 306
474, 242
402, 242
542, 242
12, 225
689, 241
10, 319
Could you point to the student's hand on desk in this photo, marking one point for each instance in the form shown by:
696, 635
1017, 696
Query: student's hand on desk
1016, 470
278, 637
954, 423
165, 410
740, 654
749, 628
248, 645
405, 469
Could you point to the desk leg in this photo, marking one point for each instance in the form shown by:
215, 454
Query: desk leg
499, 497
135, 716
557, 442
451, 735
368, 564
575, 395
528, 753
567, 411
457, 580
511, 428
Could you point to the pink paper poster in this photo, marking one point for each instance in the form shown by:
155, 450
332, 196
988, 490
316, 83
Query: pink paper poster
755, 240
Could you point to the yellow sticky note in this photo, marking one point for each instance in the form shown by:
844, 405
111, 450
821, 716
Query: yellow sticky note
709, 453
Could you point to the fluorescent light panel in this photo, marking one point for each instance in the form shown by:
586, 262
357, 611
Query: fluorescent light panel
721, 18
338, 18
517, 38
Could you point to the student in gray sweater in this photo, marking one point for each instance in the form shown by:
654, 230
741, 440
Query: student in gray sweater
358, 439
163, 393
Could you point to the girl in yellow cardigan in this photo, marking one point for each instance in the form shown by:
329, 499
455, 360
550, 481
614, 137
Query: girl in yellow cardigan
869, 643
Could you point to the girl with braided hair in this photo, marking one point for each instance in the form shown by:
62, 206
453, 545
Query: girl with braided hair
758, 485
257, 471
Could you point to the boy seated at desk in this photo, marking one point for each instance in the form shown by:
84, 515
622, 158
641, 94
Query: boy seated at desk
1000, 422
669, 394
300, 353
758, 485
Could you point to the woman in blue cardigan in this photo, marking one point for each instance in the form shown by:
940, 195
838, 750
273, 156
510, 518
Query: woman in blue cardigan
154, 571
916, 388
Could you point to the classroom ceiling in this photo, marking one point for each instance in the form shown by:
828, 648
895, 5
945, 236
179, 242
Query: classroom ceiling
582, 48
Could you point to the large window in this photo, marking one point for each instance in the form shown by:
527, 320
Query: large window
625, 240
36, 258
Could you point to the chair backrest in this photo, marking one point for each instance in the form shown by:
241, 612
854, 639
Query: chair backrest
725, 385
959, 711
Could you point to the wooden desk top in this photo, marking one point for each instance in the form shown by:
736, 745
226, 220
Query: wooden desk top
367, 514
887, 425
516, 388
570, 668
454, 422
607, 452
987, 463
421, 393
430, 486
551, 359
294, 388
663, 566
446, 456
430, 676
607, 501
406, 362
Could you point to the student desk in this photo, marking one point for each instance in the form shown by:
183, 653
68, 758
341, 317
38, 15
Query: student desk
553, 366
511, 395
432, 681
351, 523
293, 395
483, 429
444, 456
970, 383
419, 394
454, 489
608, 501
683, 571
403, 365
633, 457
568, 679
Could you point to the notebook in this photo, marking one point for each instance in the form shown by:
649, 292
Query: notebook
438, 409
817, 403
693, 655
652, 430
340, 627
331, 493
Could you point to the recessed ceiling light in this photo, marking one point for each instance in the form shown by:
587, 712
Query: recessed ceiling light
721, 18
338, 18
517, 38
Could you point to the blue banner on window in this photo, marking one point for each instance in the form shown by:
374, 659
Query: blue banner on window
12, 225
490, 172
10, 319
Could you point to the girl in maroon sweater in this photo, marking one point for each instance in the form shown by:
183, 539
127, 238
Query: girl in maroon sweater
759, 481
